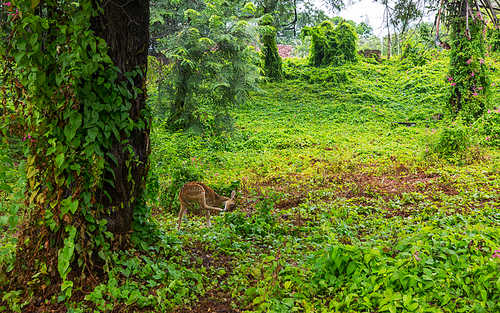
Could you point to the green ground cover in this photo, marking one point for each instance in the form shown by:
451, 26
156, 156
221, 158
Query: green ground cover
339, 208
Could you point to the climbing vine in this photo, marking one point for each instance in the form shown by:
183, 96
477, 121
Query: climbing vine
331, 45
80, 113
467, 77
272, 62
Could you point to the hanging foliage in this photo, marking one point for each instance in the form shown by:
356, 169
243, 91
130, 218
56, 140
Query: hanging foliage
332, 45
272, 62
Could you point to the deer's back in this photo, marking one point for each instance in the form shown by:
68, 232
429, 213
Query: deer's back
192, 190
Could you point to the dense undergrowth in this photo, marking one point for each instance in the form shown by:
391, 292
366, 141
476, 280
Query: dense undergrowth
355, 193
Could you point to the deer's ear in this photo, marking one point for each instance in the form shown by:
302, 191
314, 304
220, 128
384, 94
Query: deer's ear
233, 194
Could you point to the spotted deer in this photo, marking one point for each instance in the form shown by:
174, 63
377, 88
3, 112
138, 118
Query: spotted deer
199, 193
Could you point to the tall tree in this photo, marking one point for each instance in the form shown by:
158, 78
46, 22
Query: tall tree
211, 65
76, 74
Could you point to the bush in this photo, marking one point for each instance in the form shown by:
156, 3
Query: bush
488, 127
454, 144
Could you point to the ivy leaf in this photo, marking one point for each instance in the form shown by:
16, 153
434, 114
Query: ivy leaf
34, 3
66, 254
75, 121
112, 157
60, 160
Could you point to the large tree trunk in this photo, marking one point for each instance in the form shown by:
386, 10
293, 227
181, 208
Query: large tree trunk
124, 25
54, 243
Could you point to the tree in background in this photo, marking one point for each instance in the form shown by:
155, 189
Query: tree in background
307, 15
75, 75
211, 66
167, 19
332, 45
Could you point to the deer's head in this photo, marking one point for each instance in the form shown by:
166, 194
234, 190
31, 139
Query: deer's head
230, 204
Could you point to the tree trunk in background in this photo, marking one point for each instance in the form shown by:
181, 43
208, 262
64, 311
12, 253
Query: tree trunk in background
271, 58
124, 25
388, 45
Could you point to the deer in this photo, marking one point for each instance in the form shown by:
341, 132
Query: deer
199, 193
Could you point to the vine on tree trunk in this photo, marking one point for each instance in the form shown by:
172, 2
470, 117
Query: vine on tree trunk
86, 120
469, 84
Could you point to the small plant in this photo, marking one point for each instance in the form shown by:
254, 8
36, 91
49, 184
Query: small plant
488, 127
453, 143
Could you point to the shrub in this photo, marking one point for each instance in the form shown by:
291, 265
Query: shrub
454, 144
488, 127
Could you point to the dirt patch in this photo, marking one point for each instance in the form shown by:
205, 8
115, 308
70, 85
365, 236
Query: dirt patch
287, 204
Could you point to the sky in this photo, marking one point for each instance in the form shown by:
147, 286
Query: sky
362, 10
359, 12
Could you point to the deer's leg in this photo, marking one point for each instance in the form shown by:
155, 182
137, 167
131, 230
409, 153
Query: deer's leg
184, 207
207, 215
204, 206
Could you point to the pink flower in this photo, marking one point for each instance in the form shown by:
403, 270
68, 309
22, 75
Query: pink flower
450, 78
453, 84
7, 4
487, 138
468, 61
475, 94
472, 74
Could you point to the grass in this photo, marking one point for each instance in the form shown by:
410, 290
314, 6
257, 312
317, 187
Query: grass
340, 209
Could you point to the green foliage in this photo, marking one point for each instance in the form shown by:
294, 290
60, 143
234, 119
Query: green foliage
468, 79
332, 45
211, 68
402, 276
167, 18
488, 127
416, 53
271, 60
454, 143
493, 38
307, 15
340, 209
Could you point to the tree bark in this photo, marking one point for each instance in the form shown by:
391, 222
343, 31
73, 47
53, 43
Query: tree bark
124, 25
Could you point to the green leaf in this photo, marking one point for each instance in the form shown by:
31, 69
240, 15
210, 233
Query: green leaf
60, 160
113, 158
66, 284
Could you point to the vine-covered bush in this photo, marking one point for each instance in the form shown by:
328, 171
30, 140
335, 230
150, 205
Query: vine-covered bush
272, 62
331, 45
454, 144
467, 78
416, 53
